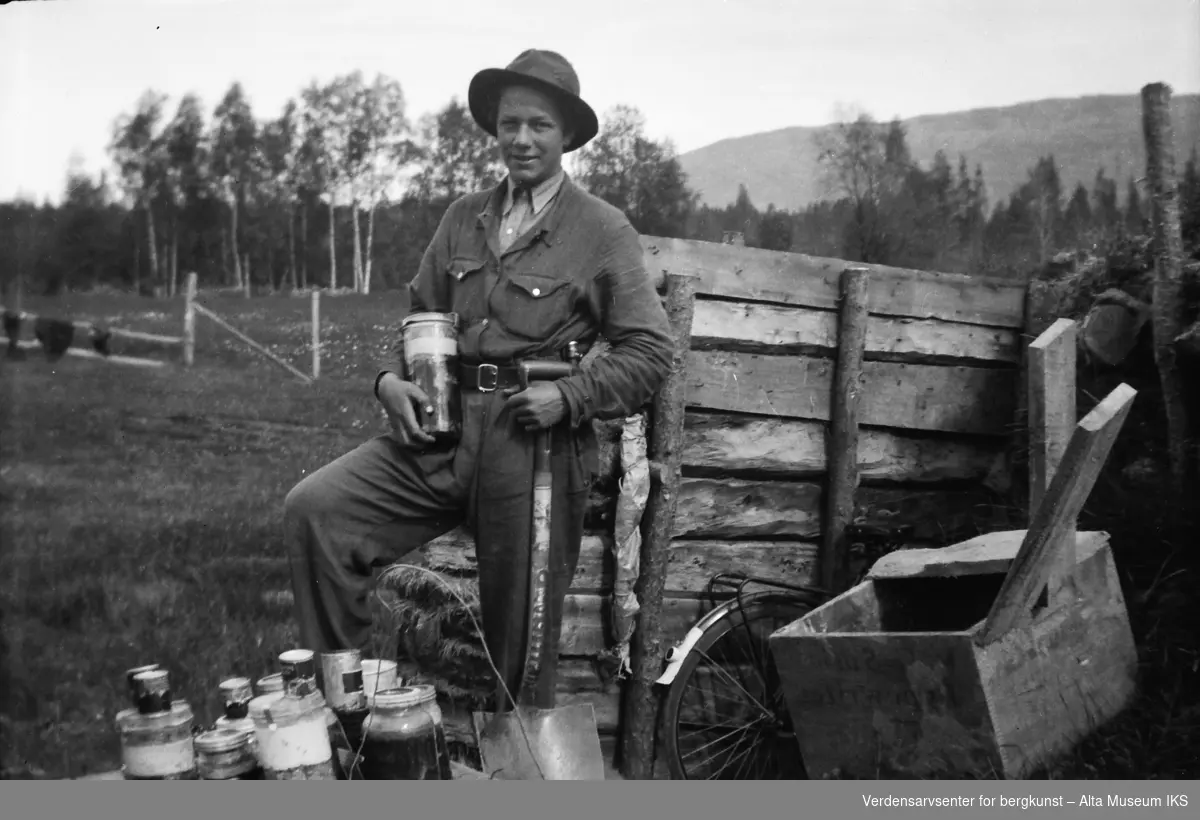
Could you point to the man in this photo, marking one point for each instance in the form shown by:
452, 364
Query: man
528, 266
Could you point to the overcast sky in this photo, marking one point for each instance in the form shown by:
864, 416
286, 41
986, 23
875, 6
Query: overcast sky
699, 70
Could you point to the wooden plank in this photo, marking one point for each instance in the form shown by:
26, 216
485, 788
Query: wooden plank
692, 562
1051, 419
253, 345
84, 353
723, 442
843, 429
923, 397
1072, 484
988, 554
797, 279
734, 508
757, 328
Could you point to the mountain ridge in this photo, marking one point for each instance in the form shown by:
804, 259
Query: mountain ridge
780, 166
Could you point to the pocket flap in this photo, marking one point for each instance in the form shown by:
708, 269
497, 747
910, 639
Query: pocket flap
460, 269
538, 287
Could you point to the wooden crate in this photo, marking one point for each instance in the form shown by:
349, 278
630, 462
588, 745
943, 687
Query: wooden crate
966, 661
888, 680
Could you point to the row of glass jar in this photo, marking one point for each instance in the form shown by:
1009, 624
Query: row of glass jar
289, 731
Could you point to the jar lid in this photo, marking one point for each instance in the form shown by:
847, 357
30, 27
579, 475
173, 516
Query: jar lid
428, 692
222, 740
272, 683
236, 689
296, 656
400, 697
429, 316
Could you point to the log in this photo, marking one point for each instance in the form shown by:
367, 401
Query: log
757, 328
692, 562
723, 443
969, 400
1059, 508
810, 281
843, 429
1167, 300
665, 446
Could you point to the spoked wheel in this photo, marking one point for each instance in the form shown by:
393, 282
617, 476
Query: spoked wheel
725, 713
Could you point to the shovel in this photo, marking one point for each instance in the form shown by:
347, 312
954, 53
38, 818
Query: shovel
529, 743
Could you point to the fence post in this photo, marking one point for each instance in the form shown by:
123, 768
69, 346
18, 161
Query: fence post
316, 333
665, 448
189, 321
843, 428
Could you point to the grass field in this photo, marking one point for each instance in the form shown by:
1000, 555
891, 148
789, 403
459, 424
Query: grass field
141, 515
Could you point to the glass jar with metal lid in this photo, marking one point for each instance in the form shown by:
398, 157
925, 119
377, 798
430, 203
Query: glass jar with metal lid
404, 737
293, 736
156, 737
226, 754
236, 693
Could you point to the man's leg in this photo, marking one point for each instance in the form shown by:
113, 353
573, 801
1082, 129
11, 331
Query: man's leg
367, 508
503, 529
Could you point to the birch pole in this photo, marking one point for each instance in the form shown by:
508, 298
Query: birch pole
1168, 264
665, 442
316, 334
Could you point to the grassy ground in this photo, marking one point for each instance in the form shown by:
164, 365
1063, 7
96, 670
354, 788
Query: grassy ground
141, 512
140, 518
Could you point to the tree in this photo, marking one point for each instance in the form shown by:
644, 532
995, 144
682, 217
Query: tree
1189, 204
138, 150
280, 146
458, 157
1106, 216
640, 176
187, 183
866, 163
234, 143
775, 231
1041, 195
1135, 220
320, 152
1077, 217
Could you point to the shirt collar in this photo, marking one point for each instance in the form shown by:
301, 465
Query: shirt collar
541, 195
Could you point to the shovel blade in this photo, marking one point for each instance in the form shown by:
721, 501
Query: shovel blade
563, 744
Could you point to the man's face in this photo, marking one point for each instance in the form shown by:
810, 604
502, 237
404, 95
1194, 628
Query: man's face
529, 128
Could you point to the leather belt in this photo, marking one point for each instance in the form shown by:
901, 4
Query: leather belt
488, 378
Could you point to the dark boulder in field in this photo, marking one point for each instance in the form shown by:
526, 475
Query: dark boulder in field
55, 335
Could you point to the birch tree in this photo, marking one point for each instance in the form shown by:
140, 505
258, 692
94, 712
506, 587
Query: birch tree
234, 141
137, 148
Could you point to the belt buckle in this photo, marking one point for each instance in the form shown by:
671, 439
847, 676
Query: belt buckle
489, 368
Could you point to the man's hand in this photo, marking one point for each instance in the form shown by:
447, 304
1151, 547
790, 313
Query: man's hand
403, 402
536, 408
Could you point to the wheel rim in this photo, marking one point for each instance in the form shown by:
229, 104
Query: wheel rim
733, 722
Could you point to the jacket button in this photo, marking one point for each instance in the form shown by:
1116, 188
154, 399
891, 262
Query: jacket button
537, 291
460, 275
484, 323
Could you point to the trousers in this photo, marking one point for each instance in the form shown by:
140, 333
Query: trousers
379, 502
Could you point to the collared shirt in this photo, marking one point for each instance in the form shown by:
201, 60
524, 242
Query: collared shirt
578, 274
517, 216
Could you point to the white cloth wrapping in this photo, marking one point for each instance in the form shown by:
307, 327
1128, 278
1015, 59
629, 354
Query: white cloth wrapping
627, 535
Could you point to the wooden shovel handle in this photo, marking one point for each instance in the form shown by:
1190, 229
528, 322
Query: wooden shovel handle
1056, 513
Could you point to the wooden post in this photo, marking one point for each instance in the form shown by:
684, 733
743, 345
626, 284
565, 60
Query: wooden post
1078, 470
1051, 420
316, 333
189, 321
843, 428
1168, 263
665, 445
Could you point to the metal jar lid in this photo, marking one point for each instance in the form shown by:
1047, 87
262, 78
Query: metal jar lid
236, 690
270, 683
401, 697
222, 740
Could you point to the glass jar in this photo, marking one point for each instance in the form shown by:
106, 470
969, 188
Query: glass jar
157, 745
404, 738
293, 736
226, 754
269, 684
236, 693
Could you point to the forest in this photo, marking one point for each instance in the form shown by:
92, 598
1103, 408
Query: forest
343, 190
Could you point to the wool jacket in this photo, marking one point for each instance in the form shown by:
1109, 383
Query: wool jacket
577, 274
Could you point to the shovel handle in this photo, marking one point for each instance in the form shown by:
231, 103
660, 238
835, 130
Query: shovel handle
539, 572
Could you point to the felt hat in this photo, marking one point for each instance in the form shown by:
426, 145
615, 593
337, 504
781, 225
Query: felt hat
546, 71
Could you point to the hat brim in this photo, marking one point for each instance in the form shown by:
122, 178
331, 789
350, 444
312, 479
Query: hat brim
486, 85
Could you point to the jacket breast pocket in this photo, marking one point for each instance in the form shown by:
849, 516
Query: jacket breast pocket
536, 306
466, 284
